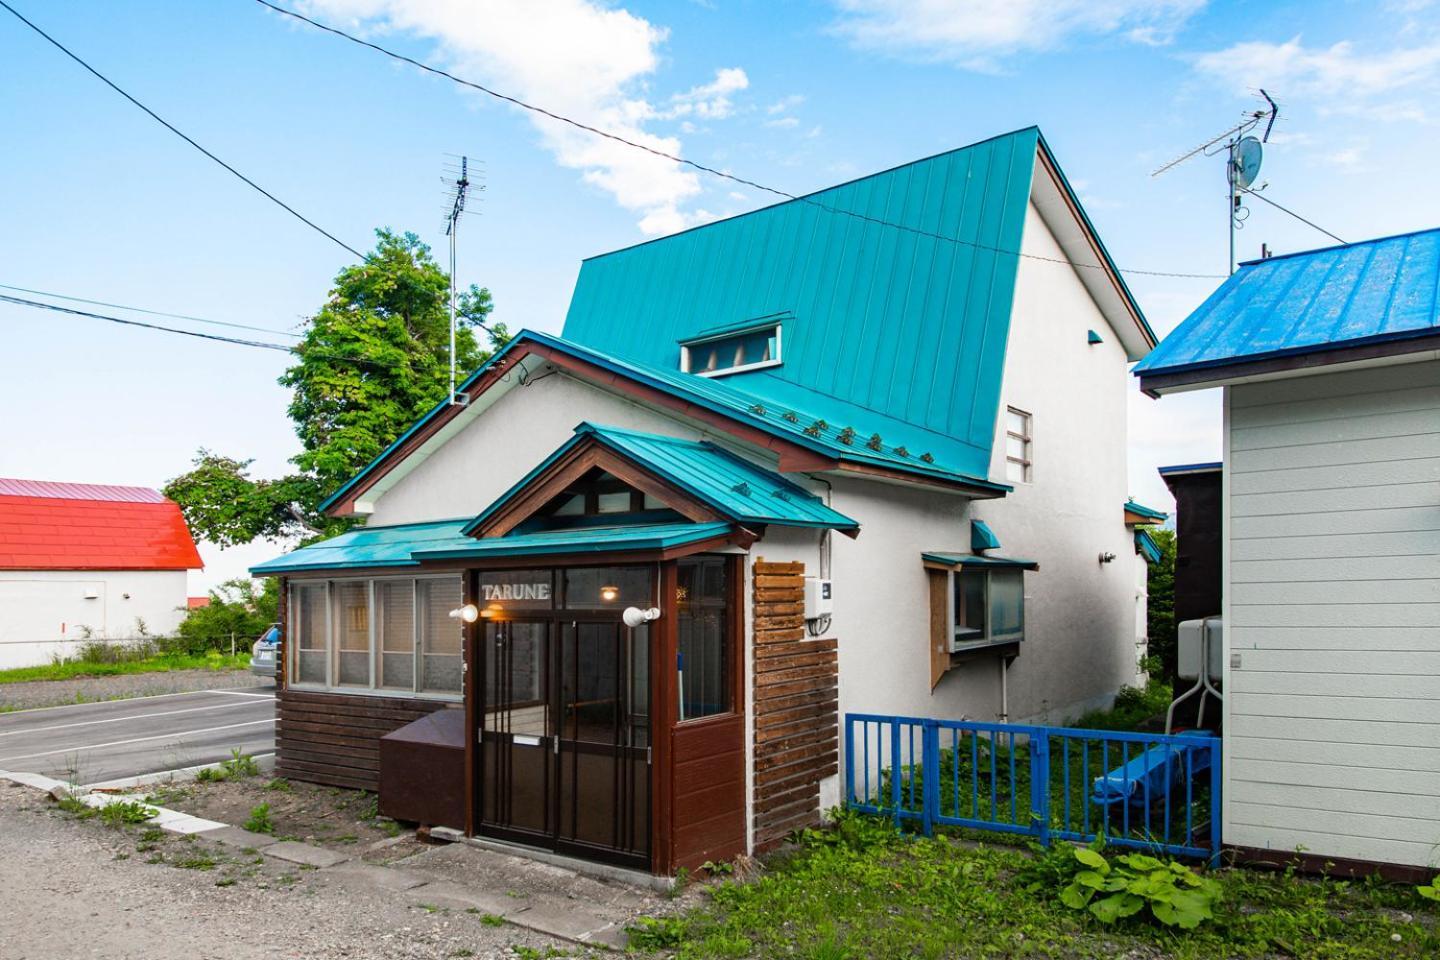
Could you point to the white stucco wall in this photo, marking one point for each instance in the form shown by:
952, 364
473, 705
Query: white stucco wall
46, 613
1332, 614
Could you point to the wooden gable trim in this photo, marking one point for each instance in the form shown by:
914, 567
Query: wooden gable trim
570, 468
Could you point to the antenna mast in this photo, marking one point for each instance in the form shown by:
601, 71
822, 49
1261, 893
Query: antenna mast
459, 189
1242, 161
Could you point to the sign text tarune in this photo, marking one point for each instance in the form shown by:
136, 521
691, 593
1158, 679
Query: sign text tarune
516, 591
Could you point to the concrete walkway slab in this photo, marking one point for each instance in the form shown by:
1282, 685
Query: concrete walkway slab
236, 837
292, 851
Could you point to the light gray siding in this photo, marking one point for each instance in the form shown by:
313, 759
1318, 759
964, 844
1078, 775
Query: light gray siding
1333, 614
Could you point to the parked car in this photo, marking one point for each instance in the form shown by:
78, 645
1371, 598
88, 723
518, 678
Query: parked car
264, 652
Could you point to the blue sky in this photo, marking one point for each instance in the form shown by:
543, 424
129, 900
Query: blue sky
98, 201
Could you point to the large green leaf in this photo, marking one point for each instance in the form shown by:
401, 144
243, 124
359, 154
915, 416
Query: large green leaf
1092, 859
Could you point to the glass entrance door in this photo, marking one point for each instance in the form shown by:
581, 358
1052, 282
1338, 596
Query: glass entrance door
565, 735
603, 780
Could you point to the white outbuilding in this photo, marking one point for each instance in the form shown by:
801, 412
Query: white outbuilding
81, 561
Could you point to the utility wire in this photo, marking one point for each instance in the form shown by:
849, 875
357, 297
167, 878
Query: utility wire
1308, 223
234, 341
173, 129
711, 171
153, 313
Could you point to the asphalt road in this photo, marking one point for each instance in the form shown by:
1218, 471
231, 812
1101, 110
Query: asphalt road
96, 743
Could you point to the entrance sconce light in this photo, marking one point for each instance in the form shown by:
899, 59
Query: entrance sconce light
635, 617
609, 593
469, 613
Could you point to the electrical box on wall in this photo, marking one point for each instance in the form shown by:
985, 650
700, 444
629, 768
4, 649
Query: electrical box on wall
818, 598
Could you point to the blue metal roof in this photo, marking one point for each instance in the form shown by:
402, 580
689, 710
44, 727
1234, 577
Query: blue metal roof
982, 537
898, 332
1191, 468
406, 545
1359, 293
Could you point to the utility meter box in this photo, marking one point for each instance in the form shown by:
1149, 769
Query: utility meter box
818, 598
1192, 633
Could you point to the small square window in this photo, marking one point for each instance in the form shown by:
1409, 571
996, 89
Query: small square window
732, 353
1019, 446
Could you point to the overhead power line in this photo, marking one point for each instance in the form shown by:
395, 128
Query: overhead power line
1286, 210
702, 168
182, 135
297, 349
152, 313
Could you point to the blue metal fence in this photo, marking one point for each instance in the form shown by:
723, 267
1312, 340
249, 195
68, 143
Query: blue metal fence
1156, 792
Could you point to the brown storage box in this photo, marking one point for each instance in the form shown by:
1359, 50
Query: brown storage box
422, 771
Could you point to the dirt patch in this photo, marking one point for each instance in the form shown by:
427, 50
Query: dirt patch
55, 693
332, 817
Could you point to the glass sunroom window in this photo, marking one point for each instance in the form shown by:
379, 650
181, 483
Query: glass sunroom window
391, 635
989, 607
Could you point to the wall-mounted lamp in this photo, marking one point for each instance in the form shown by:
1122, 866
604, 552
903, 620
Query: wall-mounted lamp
1107, 557
609, 593
469, 613
635, 617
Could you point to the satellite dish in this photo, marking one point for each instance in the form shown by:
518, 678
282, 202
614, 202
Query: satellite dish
1247, 154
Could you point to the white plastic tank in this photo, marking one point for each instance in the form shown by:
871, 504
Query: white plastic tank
1190, 643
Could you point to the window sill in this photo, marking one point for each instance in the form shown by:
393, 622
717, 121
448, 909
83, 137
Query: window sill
375, 693
743, 368
1003, 648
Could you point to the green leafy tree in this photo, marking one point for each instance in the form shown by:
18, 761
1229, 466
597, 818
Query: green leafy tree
236, 610
373, 360
1161, 603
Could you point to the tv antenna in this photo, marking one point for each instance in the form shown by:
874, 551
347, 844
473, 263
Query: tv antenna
457, 190
1243, 154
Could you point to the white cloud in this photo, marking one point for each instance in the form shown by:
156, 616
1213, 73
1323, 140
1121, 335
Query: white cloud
783, 123
581, 58
974, 33
785, 104
1337, 72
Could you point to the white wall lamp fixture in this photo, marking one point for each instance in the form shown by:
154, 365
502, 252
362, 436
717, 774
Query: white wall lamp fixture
1107, 557
635, 617
469, 613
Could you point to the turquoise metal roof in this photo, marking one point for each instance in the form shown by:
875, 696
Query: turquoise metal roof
733, 486
1359, 293
406, 545
1147, 546
972, 560
899, 332
643, 536
1150, 513
799, 425
367, 547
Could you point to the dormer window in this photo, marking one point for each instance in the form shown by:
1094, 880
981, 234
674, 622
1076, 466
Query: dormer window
732, 351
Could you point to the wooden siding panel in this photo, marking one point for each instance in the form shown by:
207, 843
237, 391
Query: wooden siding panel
334, 739
1333, 735
796, 704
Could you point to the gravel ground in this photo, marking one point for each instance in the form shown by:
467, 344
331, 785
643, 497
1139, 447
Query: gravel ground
54, 693
80, 889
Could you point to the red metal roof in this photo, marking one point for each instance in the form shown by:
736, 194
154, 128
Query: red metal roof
83, 526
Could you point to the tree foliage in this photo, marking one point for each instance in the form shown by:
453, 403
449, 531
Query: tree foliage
373, 360
1161, 604
236, 610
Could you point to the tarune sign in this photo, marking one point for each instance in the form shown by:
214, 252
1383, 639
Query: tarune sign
516, 591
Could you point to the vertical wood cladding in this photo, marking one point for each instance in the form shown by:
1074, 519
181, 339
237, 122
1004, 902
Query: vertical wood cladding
796, 703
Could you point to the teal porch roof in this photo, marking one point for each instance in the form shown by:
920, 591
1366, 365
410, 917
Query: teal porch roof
1146, 546
407, 545
731, 485
948, 559
1150, 514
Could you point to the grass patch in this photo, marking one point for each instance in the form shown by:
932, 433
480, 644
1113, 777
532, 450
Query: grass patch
199, 860
158, 663
1133, 706
121, 813
259, 821
862, 891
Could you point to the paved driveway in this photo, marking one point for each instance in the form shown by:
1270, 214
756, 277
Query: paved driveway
95, 744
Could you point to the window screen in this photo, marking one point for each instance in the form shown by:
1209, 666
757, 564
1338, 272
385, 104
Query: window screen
440, 635
395, 633
310, 633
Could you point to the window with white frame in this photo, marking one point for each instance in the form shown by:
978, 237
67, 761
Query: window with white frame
386, 635
1019, 445
732, 352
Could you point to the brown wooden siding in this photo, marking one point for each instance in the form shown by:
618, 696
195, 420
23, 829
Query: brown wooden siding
334, 738
796, 703
708, 818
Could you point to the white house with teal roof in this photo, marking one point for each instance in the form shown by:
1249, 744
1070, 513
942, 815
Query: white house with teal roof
1330, 365
860, 451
